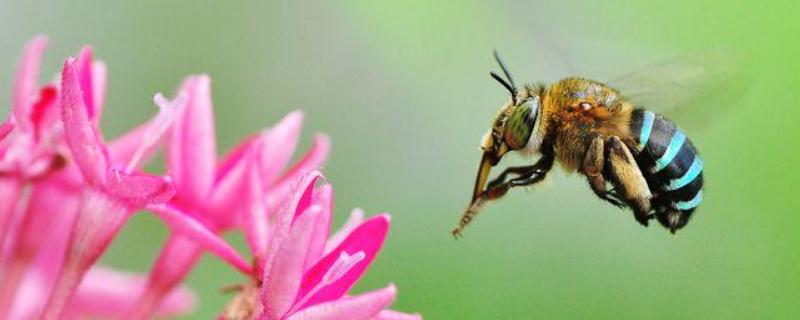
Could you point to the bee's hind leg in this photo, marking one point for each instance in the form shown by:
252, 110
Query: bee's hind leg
593, 165
628, 179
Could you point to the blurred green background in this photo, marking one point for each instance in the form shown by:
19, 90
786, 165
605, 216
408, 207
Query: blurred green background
403, 90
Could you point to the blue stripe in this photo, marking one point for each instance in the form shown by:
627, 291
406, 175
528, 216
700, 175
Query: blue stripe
674, 146
688, 177
691, 204
647, 127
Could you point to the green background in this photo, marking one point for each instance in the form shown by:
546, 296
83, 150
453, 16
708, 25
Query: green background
402, 89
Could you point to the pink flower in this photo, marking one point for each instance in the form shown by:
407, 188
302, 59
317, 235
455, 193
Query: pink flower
306, 274
114, 190
65, 193
212, 192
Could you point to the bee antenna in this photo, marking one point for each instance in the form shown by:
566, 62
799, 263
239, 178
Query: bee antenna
510, 86
504, 83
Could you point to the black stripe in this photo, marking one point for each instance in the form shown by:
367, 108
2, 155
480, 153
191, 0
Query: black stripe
660, 136
637, 118
679, 165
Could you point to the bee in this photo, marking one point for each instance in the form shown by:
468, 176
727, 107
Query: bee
631, 157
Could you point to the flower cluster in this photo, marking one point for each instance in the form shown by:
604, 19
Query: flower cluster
65, 193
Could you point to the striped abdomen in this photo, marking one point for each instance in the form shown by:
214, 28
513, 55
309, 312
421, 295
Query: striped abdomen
671, 166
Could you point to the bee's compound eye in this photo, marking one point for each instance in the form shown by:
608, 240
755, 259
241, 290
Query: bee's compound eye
585, 106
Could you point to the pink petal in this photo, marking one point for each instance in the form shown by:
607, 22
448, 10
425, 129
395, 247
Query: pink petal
99, 220
361, 307
227, 193
313, 159
301, 197
355, 219
255, 216
369, 238
139, 190
277, 193
83, 65
174, 263
106, 293
33, 231
275, 283
192, 150
284, 270
99, 89
323, 197
394, 315
7, 126
189, 227
26, 81
235, 156
280, 144
80, 133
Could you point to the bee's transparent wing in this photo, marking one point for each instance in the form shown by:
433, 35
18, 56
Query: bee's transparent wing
689, 89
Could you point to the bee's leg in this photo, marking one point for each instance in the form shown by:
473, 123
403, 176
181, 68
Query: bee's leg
593, 169
521, 170
535, 173
498, 188
628, 179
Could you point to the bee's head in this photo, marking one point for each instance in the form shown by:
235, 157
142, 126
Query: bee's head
515, 124
514, 128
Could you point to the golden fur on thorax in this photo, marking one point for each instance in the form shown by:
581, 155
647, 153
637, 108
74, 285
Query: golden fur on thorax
572, 123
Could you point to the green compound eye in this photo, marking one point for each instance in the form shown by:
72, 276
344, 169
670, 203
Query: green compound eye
519, 126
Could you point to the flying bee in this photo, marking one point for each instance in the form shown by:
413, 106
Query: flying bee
631, 156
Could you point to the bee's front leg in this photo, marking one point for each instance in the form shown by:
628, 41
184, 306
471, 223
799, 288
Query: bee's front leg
498, 187
522, 170
535, 173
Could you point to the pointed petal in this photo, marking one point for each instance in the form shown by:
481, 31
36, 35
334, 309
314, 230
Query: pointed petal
313, 159
139, 190
277, 193
235, 156
174, 263
356, 218
254, 211
394, 315
83, 65
323, 197
105, 293
369, 238
81, 135
228, 191
192, 149
189, 227
98, 89
282, 231
282, 276
361, 307
279, 146
25, 83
